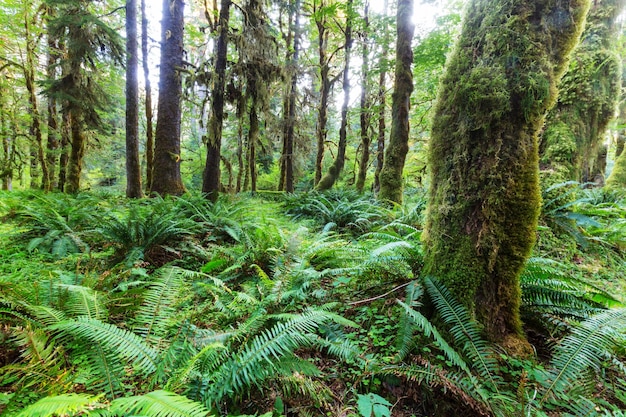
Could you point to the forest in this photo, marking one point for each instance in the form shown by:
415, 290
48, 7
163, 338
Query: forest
294, 208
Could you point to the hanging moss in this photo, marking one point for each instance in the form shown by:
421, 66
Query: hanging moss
588, 94
484, 195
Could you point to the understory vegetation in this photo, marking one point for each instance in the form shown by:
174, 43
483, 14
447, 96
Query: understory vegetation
295, 305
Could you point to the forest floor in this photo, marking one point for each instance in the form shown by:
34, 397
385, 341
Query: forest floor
301, 295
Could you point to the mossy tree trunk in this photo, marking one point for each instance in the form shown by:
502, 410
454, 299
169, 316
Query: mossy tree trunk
382, 103
484, 194
133, 166
52, 143
148, 96
211, 175
328, 180
588, 95
617, 178
66, 127
166, 174
365, 104
395, 154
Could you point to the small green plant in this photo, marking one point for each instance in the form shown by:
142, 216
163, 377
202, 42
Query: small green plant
373, 405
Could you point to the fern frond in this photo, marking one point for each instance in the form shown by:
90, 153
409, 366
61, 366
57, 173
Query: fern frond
584, 348
404, 341
465, 331
126, 344
158, 307
159, 404
62, 405
84, 301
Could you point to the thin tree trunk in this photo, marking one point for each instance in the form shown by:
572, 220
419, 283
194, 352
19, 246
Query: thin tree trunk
148, 97
211, 175
240, 163
365, 107
395, 154
53, 122
483, 155
133, 166
325, 86
291, 117
335, 169
382, 103
166, 174
253, 135
66, 127
39, 157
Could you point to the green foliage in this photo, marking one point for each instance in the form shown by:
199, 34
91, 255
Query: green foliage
373, 405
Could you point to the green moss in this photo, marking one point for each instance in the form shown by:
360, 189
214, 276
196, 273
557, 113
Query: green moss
588, 94
484, 195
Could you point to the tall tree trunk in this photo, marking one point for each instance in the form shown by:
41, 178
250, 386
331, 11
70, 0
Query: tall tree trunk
77, 153
148, 97
166, 174
133, 166
395, 154
589, 91
325, 86
39, 157
53, 121
484, 196
253, 136
66, 127
382, 103
365, 106
240, 162
290, 119
329, 179
211, 175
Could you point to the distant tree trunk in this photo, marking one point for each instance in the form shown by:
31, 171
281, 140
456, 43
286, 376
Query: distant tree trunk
166, 174
253, 137
382, 103
365, 106
588, 95
617, 178
240, 164
395, 154
211, 176
329, 179
133, 166
290, 117
53, 122
38, 154
66, 127
77, 152
325, 86
148, 98
484, 196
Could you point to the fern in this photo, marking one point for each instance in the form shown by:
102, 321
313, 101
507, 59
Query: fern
465, 331
62, 405
159, 404
584, 348
113, 339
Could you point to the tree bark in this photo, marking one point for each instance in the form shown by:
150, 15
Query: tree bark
166, 173
484, 196
211, 175
325, 86
133, 166
382, 104
39, 156
335, 169
77, 153
148, 97
588, 96
52, 144
290, 118
365, 106
66, 127
395, 155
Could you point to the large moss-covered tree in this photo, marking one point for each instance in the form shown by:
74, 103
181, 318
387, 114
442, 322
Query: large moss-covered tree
395, 154
572, 144
484, 194
166, 178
